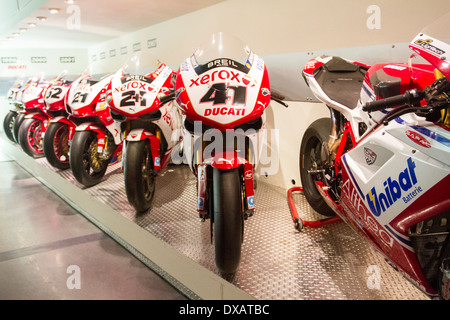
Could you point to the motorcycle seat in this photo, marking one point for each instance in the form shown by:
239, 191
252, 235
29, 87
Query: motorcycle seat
341, 81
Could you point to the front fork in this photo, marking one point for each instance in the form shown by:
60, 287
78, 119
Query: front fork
203, 207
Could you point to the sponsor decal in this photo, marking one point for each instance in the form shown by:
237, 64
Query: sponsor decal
251, 202
223, 74
224, 111
427, 46
353, 204
200, 203
403, 187
370, 156
418, 139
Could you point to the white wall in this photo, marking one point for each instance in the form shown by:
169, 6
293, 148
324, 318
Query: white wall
286, 33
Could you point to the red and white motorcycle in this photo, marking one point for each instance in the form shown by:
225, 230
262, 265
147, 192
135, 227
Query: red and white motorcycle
223, 90
96, 141
381, 162
57, 135
14, 98
142, 103
31, 123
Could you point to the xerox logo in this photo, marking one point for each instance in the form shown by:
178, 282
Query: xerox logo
394, 189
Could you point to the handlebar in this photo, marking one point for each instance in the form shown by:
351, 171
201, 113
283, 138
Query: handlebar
411, 97
167, 98
278, 97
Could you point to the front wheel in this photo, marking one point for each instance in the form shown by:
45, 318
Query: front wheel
16, 127
30, 137
228, 220
56, 145
139, 175
87, 165
311, 160
8, 124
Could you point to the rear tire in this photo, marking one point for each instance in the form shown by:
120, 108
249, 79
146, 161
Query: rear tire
30, 137
310, 150
139, 175
228, 220
56, 145
86, 165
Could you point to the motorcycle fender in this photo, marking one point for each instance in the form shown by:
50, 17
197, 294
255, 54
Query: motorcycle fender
100, 134
62, 119
70, 124
231, 160
155, 142
36, 116
227, 160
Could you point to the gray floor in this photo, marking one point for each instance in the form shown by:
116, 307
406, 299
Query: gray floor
50, 252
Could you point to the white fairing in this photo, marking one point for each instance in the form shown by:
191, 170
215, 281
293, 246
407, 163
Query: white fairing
82, 93
129, 88
242, 89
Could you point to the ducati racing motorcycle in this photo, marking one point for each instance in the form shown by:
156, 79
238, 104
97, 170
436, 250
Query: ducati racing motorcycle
56, 137
31, 123
381, 162
14, 97
223, 90
142, 104
96, 142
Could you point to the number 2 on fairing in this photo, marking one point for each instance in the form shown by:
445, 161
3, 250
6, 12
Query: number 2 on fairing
128, 96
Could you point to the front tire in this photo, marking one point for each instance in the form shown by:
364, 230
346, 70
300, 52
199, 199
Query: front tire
30, 137
87, 166
17, 123
228, 220
139, 175
56, 145
310, 159
8, 124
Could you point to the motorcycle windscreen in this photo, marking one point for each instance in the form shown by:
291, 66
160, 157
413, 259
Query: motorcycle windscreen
136, 89
85, 89
433, 44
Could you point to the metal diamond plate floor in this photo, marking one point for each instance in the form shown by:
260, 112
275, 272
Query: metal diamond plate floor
278, 262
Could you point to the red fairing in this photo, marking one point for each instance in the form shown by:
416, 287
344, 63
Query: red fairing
33, 96
312, 65
389, 79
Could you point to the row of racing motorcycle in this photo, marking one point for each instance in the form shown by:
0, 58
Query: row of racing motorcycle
380, 162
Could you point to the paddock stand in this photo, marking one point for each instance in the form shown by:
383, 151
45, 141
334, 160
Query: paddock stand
300, 223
